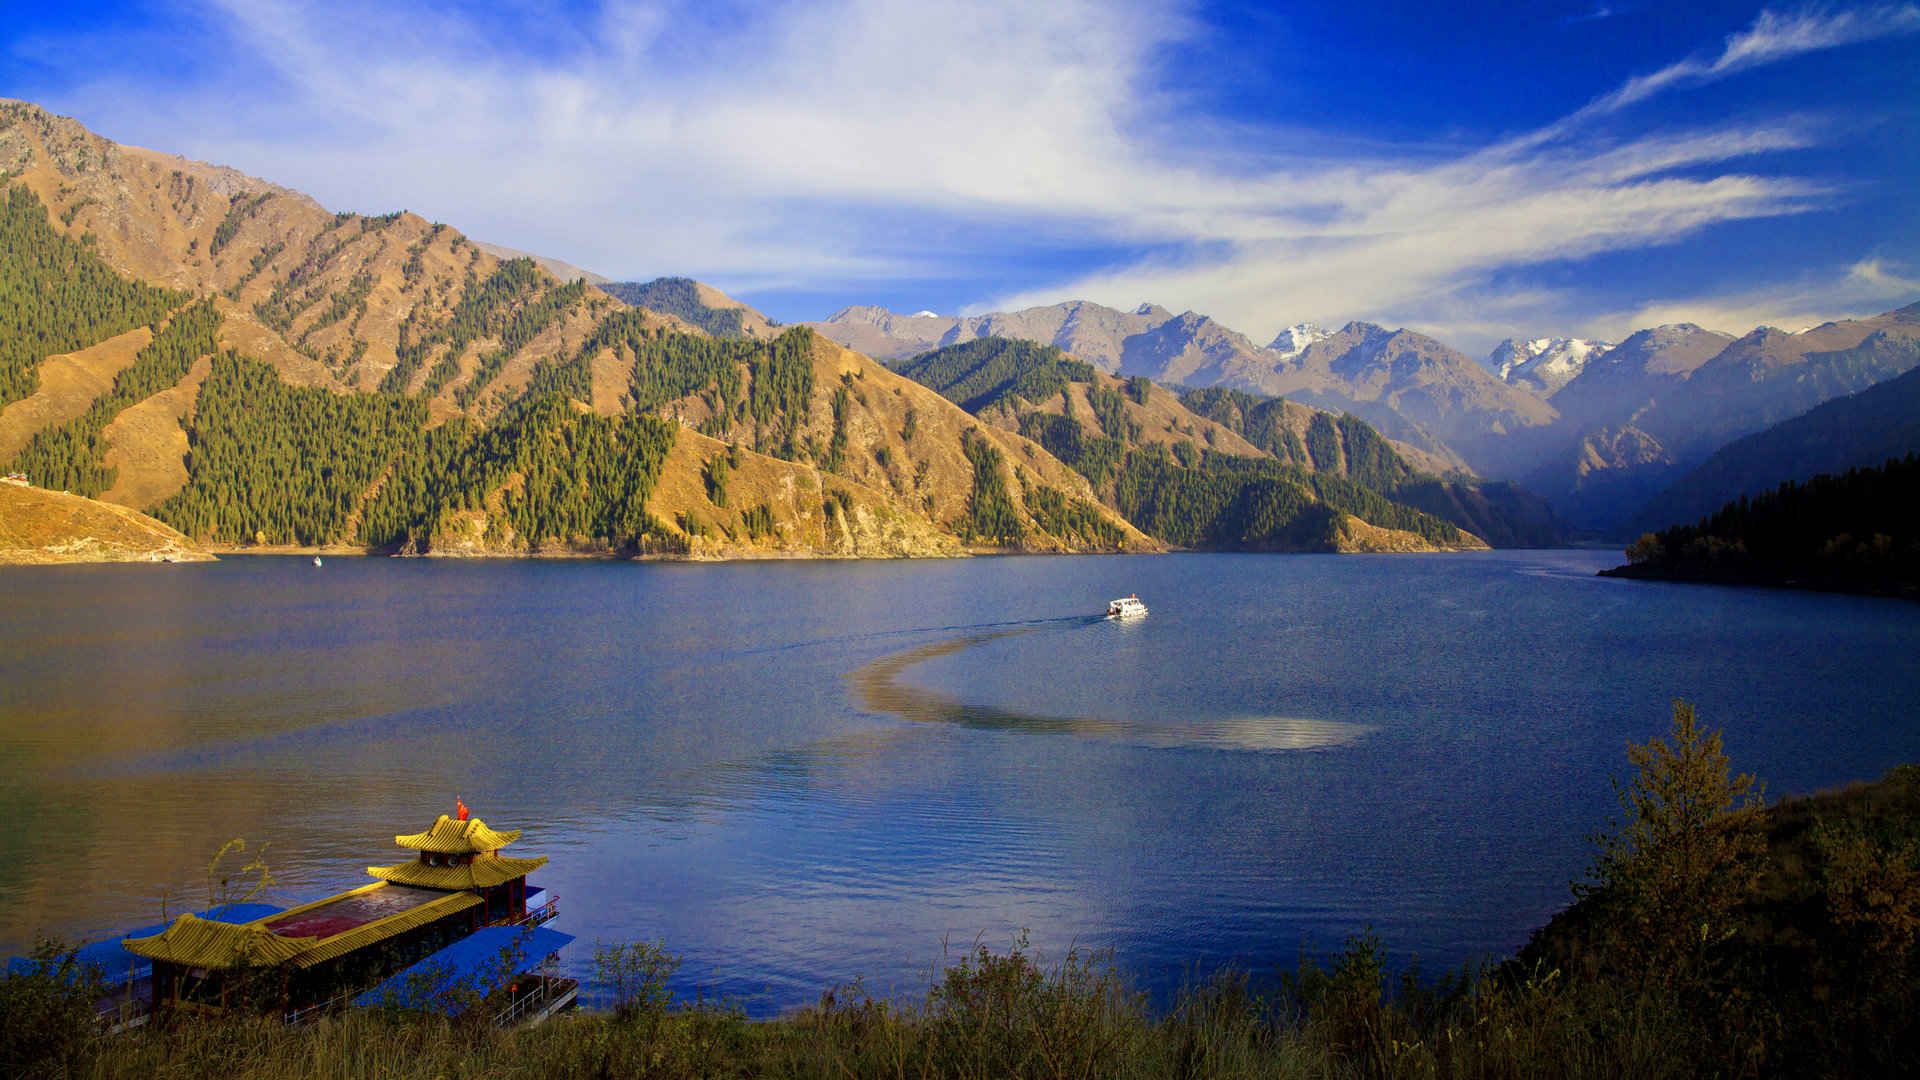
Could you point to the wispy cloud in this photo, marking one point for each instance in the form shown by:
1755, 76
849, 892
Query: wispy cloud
1772, 37
1868, 287
847, 143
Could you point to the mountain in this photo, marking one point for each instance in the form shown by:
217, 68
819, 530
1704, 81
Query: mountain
565, 271
1313, 483
1855, 431
1543, 365
1294, 339
41, 527
1645, 412
1149, 340
1409, 386
257, 369
696, 304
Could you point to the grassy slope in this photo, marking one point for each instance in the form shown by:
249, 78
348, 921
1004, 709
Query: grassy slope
39, 527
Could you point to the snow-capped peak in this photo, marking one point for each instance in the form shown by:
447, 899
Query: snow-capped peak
924, 314
1544, 364
1294, 339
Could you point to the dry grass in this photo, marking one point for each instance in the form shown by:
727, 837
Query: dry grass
68, 384
148, 443
38, 527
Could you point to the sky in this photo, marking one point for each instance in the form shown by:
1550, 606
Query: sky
1474, 171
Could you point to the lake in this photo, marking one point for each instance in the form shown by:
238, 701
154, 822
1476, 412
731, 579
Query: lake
794, 774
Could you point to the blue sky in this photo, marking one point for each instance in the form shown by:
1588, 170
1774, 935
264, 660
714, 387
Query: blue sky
1474, 171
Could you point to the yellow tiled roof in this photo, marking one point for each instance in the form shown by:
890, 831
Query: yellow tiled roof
195, 942
478, 874
449, 837
380, 930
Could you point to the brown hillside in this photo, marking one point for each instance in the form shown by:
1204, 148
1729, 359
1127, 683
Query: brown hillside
149, 446
353, 303
41, 527
68, 384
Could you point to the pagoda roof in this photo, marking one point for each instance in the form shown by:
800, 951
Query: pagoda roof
196, 942
481, 873
203, 943
448, 836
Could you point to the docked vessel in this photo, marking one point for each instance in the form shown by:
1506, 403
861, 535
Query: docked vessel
456, 911
1127, 607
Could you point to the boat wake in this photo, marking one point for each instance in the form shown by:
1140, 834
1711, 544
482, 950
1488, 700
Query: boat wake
880, 689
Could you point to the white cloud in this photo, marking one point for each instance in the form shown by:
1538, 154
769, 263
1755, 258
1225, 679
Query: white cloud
1867, 288
1773, 36
805, 145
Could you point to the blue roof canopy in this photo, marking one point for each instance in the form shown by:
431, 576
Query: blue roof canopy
117, 963
467, 969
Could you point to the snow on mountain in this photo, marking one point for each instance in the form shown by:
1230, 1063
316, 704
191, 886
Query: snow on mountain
1543, 365
925, 314
1294, 339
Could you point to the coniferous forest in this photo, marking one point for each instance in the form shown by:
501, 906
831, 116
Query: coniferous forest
1858, 531
1292, 501
57, 296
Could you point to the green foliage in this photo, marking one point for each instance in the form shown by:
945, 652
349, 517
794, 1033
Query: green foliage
1859, 531
485, 309
1110, 409
1684, 853
527, 321
241, 209
680, 297
782, 374
989, 371
1259, 420
758, 521
1370, 460
1323, 443
910, 425
1138, 387
289, 462
57, 296
47, 1026
70, 457
634, 976
990, 516
836, 456
717, 472
1223, 508
1069, 518
1095, 457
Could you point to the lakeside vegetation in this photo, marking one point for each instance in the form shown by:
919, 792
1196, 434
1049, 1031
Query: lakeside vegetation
1858, 531
1713, 936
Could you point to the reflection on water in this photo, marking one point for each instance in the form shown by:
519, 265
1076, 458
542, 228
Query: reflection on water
881, 689
797, 774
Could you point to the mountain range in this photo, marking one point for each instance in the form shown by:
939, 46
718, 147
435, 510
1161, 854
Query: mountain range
254, 369
1598, 429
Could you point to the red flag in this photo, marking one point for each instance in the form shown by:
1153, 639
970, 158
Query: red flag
460, 807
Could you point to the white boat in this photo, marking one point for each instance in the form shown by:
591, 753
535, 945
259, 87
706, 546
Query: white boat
316, 560
1127, 607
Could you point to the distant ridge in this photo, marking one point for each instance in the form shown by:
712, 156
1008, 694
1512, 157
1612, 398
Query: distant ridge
697, 304
1862, 429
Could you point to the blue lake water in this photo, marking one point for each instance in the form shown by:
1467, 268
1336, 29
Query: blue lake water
796, 774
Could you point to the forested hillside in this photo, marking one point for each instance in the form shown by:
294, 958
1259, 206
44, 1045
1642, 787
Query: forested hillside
1181, 474
56, 295
1858, 531
339, 379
